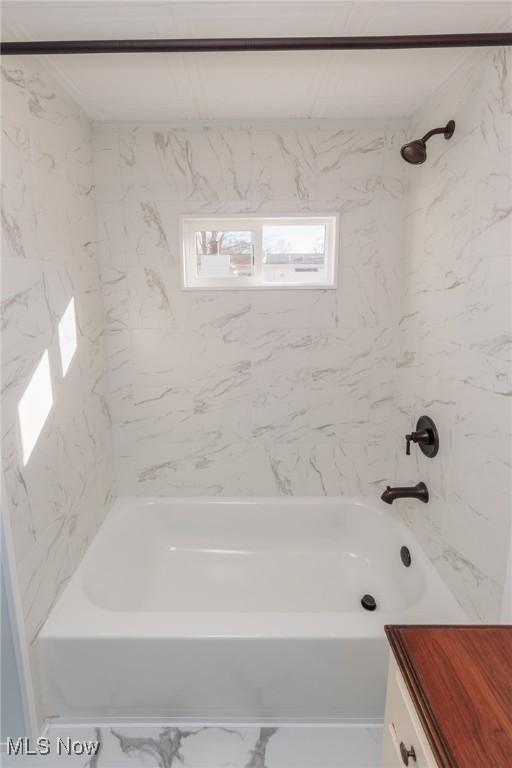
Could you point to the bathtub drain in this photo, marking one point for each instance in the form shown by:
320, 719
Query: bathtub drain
368, 602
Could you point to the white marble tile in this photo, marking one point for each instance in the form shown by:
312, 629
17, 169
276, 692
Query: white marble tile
354, 747
260, 392
224, 392
229, 746
107, 164
58, 499
454, 337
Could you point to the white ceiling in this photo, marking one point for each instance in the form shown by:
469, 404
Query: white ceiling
253, 85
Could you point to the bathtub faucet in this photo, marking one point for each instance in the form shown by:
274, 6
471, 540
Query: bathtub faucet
419, 491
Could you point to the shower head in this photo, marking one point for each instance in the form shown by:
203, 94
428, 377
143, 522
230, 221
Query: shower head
415, 152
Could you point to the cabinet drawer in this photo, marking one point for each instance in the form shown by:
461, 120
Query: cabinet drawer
402, 726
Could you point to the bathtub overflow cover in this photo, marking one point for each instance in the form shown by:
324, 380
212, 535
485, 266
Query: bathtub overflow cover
368, 602
405, 556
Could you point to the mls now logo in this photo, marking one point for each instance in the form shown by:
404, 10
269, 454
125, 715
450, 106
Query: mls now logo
22, 747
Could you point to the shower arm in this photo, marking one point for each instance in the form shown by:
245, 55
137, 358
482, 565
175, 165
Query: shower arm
431, 133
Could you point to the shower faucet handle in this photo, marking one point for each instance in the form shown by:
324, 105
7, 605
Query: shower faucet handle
425, 435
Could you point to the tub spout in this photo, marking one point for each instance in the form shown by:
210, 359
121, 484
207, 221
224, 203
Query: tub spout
419, 491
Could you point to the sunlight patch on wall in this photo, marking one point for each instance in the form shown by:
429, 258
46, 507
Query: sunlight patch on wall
67, 336
34, 406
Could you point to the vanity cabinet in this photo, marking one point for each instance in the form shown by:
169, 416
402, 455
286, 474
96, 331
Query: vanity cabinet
404, 741
449, 697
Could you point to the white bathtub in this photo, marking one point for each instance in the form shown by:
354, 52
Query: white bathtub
244, 609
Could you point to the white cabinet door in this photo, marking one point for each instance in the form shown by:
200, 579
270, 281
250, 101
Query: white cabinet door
404, 742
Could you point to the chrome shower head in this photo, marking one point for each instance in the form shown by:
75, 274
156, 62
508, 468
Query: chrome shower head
415, 152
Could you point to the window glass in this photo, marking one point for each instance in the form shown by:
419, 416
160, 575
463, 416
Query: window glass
293, 253
259, 251
224, 253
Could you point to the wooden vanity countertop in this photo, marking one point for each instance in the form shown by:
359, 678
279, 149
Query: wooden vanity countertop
460, 680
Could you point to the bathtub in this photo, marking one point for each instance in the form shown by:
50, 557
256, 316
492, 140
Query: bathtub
236, 609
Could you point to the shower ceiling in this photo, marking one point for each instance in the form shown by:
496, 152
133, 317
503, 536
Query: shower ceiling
253, 85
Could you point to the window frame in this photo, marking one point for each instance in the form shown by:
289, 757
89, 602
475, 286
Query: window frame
189, 225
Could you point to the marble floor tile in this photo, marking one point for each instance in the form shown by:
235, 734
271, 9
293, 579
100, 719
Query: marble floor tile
196, 746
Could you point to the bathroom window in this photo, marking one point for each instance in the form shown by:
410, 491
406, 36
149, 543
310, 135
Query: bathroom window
259, 252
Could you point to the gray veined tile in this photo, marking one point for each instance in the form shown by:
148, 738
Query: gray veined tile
213, 368
52, 241
152, 746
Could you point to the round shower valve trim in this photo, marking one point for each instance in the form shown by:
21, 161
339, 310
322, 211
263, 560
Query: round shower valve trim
426, 436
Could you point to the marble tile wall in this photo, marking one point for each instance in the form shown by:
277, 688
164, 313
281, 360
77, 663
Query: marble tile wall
455, 331
49, 255
249, 392
260, 392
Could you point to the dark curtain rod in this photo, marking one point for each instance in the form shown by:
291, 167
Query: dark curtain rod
256, 44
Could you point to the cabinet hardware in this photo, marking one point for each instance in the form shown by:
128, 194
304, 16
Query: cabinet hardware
407, 753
